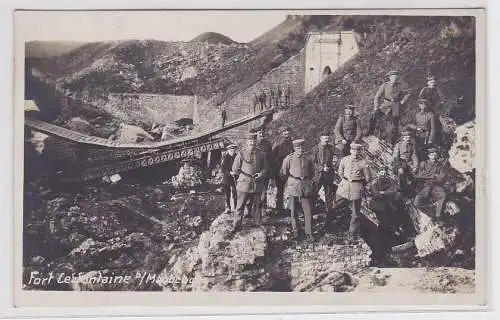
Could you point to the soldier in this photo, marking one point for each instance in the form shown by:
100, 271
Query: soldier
432, 93
280, 150
280, 93
251, 168
347, 130
431, 171
428, 125
288, 96
269, 97
262, 100
393, 97
266, 148
223, 116
272, 95
355, 175
322, 156
256, 102
297, 169
405, 161
228, 180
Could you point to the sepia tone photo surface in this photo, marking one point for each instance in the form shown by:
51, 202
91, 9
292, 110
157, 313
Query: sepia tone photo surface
239, 157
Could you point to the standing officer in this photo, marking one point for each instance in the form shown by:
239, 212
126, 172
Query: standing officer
432, 93
251, 168
347, 130
266, 148
269, 96
392, 97
431, 172
297, 169
280, 94
262, 98
280, 150
355, 175
228, 181
322, 156
405, 161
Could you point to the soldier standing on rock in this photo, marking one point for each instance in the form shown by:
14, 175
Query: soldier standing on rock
392, 97
281, 149
347, 130
228, 181
355, 175
322, 156
432, 93
405, 161
431, 172
297, 169
428, 125
251, 168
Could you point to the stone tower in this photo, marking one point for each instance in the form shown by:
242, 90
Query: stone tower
326, 52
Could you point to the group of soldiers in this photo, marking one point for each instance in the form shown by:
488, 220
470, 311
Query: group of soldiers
272, 97
340, 169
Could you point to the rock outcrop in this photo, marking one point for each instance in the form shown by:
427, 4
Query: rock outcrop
463, 151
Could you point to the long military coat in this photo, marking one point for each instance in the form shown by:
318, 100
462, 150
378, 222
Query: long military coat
246, 164
354, 174
298, 172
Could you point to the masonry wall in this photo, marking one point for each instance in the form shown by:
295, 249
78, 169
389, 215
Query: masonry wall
290, 72
325, 49
150, 108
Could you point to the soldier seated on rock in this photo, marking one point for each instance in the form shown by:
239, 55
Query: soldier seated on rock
298, 170
386, 203
431, 174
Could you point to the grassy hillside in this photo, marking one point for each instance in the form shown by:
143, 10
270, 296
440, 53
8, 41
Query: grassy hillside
410, 44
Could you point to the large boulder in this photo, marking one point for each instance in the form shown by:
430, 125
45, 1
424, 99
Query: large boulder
463, 151
222, 261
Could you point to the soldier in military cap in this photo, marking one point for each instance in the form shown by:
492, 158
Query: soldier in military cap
405, 161
353, 170
251, 168
432, 175
392, 96
282, 148
297, 170
324, 172
228, 180
428, 125
347, 130
432, 93
266, 148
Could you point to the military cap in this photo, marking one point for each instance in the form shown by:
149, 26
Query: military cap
325, 133
231, 146
298, 142
349, 106
431, 77
189, 160
356, 145
406, 132
392, 72
432, 150
422, 100
286, 129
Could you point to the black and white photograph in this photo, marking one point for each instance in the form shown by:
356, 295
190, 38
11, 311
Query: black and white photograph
249, 151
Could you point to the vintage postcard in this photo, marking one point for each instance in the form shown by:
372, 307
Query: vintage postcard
250, 157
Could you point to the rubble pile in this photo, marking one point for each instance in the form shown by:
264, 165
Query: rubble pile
222, 261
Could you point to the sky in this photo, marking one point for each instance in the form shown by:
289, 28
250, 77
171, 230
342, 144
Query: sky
241, 26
